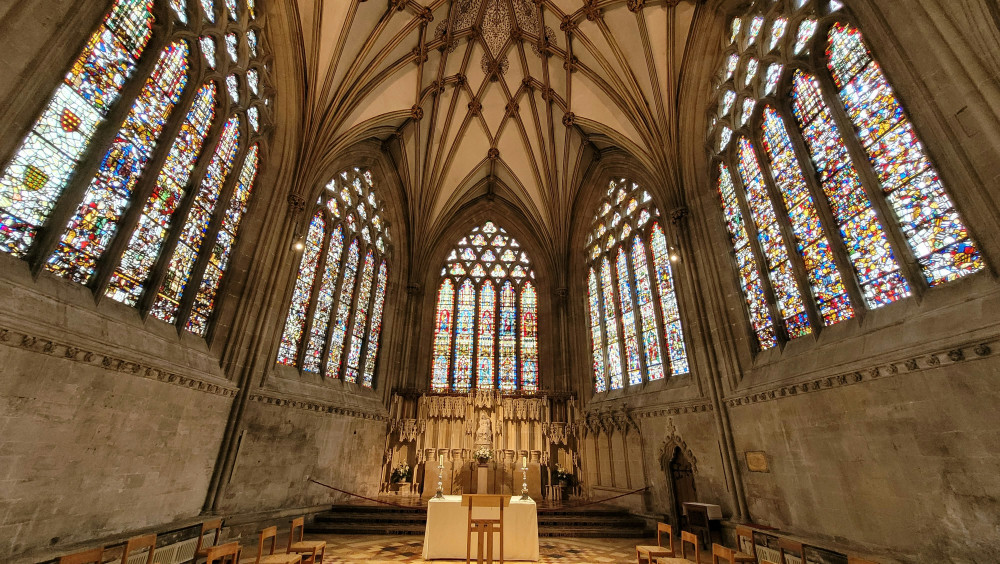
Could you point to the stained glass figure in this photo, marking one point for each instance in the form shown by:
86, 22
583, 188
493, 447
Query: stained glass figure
930, 222
360, 319
486, 337
465, 323
375, 326
824, 279
629, 333
338, 332
95, 222
291, 337
41, 167
596, 334
148, 237
786, 291
193, 234
443, 324
508, 337
611, 327
753, 292
673, 333
647, 311
869, 250
312, 361
529, 338
218, 261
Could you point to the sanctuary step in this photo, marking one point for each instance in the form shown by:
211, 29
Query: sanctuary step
593, 522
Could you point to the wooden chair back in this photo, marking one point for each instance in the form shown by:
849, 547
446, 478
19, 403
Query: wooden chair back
719, 551
224, 554
85, 557
856, 560
207, 527
299, 524
788, 547
484, 528
744, 541
138, 543
692, 538
665, 528
268, 533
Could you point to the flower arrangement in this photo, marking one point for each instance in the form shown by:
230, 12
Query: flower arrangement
563, 475
483, 454
401, 473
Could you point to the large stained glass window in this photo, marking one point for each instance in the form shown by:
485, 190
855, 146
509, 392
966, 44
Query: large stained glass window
850, 220
486, 336
634, 317
107, 227
338, 297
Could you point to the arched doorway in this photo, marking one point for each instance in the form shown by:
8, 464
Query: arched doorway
680, 476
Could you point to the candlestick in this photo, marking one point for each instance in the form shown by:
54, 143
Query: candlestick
524, 478
440, 492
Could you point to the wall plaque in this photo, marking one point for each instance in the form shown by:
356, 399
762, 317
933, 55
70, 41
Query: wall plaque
757, 461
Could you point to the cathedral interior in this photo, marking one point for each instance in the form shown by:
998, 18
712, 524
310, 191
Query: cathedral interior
263, 257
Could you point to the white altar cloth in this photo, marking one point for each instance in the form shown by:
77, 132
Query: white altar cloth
447, 519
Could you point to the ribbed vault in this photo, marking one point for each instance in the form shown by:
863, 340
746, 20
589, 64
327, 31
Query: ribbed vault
508, 98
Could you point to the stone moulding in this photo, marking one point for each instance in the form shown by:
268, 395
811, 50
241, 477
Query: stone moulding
41, 345
969, 351
315, 406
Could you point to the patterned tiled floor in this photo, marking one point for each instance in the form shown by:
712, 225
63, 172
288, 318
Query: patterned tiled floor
351, 549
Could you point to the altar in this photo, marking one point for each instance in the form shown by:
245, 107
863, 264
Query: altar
447, 518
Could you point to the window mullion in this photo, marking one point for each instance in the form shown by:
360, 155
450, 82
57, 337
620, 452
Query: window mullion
90, 161
780, 332
794, 253
908, 263
212, 232
829, 223
108, 264
317, 287
179, 218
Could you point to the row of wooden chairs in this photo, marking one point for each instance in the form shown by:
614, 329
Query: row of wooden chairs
299, 551
661, 554
786, 547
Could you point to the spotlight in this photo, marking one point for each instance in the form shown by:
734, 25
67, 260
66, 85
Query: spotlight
674, 255
299, 245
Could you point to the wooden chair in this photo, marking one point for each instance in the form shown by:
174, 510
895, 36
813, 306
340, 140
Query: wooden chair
648, 553
856, 560
726, 553
788, 547
744, 542
224, 554
201, 549
308, 549
135, 544
484, 528
686, 538
271, 533
86, 557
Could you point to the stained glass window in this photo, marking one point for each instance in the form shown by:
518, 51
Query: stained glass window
179, 270
465, 326
486, 344
346, 307
499, 320
834, 209
338, 333
296, 319
529, 338
443, 323
790, 303
596, 335
629, 279
360, 319
47, 158
95, 222
375, 327
930, 222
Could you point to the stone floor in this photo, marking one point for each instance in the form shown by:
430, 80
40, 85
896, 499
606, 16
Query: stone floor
351, 549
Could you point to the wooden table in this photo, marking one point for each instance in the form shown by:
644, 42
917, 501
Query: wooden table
446, 519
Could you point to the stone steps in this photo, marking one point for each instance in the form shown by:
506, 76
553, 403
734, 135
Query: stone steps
386, 520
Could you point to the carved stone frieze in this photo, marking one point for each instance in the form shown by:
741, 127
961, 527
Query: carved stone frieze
316, 406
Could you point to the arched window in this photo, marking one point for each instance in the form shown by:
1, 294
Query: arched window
486, 320
635, 324
335, 318
831, 202
149, 216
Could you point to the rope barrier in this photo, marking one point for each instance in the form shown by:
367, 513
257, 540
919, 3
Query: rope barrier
541, 510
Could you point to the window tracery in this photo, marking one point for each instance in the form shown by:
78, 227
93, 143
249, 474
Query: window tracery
486, 331
834, 239
634, 317
334, 320
110, 228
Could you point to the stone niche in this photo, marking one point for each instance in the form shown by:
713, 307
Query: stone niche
428, 429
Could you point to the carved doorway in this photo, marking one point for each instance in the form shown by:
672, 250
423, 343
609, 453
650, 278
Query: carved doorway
681, 476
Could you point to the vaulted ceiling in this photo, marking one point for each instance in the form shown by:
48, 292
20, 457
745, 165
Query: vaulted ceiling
508, 98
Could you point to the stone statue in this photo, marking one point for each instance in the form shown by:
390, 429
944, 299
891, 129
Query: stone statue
484, 434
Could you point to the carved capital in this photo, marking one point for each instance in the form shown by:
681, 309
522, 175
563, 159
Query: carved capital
635, 5
569, 119
678, 215
296, 204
